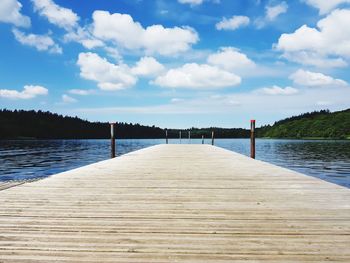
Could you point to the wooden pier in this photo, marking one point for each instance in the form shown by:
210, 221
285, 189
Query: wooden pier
176, 203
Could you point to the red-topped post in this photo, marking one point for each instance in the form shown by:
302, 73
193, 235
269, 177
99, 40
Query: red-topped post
112, 140
252, 139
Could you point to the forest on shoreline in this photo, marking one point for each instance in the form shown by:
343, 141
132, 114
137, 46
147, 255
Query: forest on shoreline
21, 124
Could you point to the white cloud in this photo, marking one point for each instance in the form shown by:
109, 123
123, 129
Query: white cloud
68, 99
111, 76
81, 92
123, 31
191, 2
57, 15
84, 37
147, 66
231, 59
195, 76
233, 23
276, 90
326, 6
315, 59
10, 12
40, 42
314, 79
28, 92
329, 42
272, 12
113, 53
65, 18
108, 76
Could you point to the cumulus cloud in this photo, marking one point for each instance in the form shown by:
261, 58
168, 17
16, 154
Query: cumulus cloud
55, 14
325, 6
28, 92
276, 90
111, 76
328, 43
108, 76
233, 23
147, 66
272, 12
315, 59
84, 37
10, 12
314, 79
196, 76
125, 32
231, 59
68, 20
68, 99
40, 42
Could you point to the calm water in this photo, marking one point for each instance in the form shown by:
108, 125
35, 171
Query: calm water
328, 160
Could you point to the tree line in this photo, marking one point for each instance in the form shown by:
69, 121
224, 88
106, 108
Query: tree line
316, 124
21, 124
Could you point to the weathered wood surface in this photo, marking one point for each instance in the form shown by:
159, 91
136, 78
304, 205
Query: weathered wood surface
176, 203
9, 184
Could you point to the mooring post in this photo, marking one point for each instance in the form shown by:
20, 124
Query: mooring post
180, 136
166, 136
202, 139
212, 138
112, 140
252, 139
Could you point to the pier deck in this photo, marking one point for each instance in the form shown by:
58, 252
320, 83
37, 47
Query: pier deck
176, 203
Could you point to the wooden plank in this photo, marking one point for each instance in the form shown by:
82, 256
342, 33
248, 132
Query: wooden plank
176, 203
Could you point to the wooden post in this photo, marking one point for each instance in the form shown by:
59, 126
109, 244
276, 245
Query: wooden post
212, 138
112, 140
180, 136
202, 139
189, 136
166, 136
252, 139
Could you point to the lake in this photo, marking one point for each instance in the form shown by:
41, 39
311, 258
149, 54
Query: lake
29, 159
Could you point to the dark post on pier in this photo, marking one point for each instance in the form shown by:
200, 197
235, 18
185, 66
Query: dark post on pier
252, 139
166, 136
112, 140
212, 138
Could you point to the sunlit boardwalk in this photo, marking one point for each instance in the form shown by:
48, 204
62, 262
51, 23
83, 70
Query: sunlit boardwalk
176, 203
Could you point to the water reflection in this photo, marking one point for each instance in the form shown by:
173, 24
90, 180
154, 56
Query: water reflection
328, 160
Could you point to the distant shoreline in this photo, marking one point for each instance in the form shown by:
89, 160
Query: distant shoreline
38, 125
184, 139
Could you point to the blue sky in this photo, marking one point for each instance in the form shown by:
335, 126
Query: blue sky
175, 63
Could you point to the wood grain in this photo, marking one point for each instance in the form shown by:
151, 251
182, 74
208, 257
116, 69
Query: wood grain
176, 203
